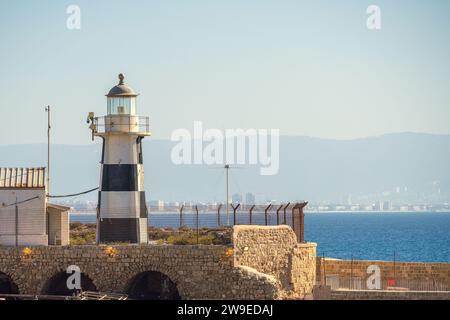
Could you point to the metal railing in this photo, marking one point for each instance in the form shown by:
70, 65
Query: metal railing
85, 295
208, 216
401, 284
121, 123
190, 218
212, 216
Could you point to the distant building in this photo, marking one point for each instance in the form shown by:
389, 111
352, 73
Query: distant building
236, 198
26, 218
250, 198
332, 207
159, 204
378, 206
173, 204
382, 206
349, 200
387, 206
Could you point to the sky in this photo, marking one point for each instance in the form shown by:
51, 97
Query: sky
308, 68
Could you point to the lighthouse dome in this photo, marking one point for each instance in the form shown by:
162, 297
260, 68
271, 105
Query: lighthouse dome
121, 90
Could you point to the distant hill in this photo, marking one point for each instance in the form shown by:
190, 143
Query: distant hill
310, 168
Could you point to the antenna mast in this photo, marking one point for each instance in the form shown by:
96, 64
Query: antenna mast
47, 109
227, 167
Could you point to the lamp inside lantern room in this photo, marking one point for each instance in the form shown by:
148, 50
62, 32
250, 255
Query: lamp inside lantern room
123, 103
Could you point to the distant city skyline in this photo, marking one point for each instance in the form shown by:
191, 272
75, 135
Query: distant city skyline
90, 206
307, 68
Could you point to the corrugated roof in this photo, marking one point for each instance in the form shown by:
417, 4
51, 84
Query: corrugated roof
22, 177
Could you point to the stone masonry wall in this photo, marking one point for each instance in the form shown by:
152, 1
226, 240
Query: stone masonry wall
414, 272
274, 250
274, 266
199, 271
304, 269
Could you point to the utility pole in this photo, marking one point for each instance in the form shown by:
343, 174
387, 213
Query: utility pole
196, 215
351, 272
395, 276
47, 109
227, 168
218, 215
227, 185
17, 223
181, 215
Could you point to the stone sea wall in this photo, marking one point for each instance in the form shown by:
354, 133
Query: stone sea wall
274, 250
279, 268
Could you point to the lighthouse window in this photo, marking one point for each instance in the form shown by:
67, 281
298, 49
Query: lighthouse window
125, 105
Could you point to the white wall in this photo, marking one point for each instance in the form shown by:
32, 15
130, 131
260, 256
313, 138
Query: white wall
121, 149
58, 227
120, 204
32, 217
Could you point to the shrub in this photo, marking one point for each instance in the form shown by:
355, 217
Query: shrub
85, 233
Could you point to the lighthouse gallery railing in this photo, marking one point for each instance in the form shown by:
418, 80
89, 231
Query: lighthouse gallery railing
121, 123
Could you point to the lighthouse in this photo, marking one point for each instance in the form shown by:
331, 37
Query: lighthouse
122, 212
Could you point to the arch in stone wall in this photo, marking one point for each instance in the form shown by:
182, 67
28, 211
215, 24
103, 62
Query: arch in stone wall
7, 285
57, 284
152, 285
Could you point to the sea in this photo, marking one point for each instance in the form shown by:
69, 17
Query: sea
389, 236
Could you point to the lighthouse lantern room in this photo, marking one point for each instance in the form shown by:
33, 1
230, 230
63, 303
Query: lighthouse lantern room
122, 211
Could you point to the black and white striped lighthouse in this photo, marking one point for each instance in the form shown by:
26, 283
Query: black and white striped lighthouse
122, 211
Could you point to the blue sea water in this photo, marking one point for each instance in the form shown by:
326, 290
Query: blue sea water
403, 236
415, 237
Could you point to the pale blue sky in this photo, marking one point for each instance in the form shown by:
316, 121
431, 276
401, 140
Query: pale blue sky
305, 67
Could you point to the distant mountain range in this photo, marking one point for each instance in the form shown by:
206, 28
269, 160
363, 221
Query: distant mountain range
310, 168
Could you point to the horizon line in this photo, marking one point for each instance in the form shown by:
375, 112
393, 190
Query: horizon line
281, 136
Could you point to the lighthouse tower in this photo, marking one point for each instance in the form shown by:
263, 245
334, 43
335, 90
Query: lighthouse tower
122, 211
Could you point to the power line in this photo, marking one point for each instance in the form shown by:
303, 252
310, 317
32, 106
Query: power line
73, 194
19, 202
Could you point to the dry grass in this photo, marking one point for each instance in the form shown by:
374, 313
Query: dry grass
85, 233
82, 233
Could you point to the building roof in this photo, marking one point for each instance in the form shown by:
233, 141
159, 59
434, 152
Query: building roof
57, 207
121, 90
22, 177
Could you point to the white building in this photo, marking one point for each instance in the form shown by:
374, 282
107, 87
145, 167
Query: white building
26, 219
